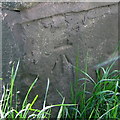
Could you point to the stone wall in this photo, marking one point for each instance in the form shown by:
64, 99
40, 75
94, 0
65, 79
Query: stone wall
47, 37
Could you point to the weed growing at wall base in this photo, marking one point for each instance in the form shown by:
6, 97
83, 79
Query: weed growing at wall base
104, 100
9, 109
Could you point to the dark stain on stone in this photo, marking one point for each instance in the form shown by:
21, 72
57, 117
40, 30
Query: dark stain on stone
53, 66
84, 20
34, 61
25, 54
66, 21
28, 24
32, 41
62, 64
32, 53
69, 43
51, 25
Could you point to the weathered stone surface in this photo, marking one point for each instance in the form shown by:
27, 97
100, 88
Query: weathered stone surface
10, 51
50, 39
49, 9
18, 5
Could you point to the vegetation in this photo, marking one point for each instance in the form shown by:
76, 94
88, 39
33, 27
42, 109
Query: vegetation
10, 109
103, 101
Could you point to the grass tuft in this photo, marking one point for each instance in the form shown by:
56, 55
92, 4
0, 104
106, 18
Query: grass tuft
10, 111
104, 100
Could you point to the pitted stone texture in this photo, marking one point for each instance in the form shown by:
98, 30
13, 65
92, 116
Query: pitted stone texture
53, 44
18, 5
43, 10
8, 48
51, 40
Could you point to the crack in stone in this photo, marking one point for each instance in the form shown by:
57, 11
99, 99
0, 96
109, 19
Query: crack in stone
72, 12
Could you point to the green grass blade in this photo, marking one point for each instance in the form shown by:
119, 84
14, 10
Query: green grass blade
108, 112
45, 98
26, 97
13, 76
61, 110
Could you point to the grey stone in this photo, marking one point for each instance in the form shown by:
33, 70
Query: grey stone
18, 5
10, 52
49, 9
50, 36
